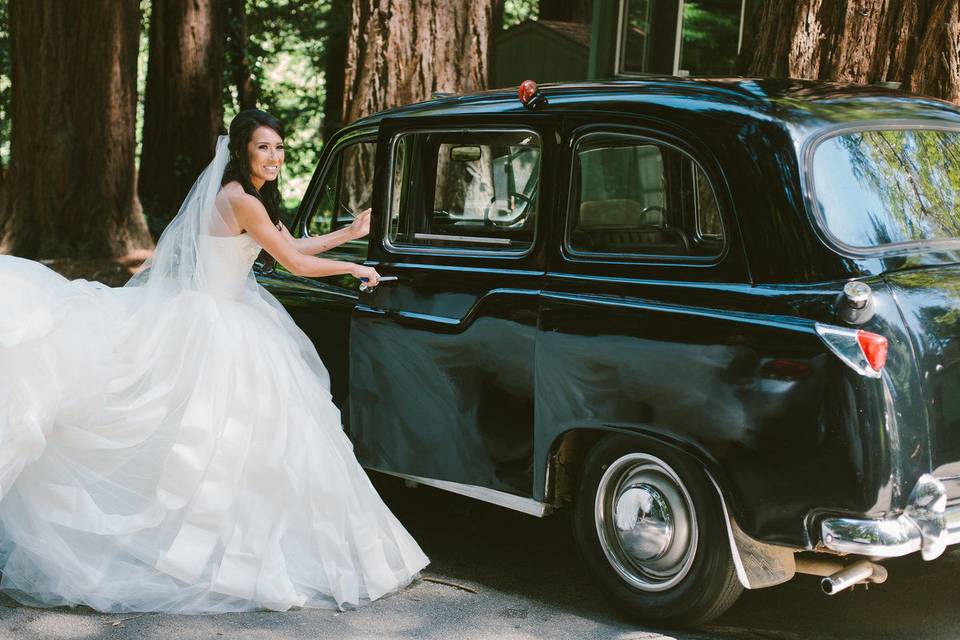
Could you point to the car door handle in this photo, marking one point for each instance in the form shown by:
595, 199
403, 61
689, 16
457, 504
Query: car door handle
365, 288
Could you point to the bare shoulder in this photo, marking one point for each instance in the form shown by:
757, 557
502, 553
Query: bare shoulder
241, 201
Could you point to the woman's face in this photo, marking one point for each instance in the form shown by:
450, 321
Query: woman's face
265, 154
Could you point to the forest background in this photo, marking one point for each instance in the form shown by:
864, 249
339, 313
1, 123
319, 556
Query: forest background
109, 109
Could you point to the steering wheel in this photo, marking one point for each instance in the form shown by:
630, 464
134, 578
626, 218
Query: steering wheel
527, 201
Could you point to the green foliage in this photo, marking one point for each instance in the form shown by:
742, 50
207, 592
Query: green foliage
517, 11
143, 58
286, 52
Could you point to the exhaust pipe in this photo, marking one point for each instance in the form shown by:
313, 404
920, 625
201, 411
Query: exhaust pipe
859, 571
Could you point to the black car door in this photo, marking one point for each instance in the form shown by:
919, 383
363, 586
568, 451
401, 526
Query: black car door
442, 358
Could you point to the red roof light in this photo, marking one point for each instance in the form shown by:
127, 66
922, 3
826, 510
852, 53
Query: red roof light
530, 95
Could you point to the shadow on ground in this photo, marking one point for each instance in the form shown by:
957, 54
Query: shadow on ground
509, 551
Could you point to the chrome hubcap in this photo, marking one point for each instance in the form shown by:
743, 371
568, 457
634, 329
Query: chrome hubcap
646, 522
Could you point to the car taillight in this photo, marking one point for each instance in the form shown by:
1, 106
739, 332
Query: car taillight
862, 351
874, 348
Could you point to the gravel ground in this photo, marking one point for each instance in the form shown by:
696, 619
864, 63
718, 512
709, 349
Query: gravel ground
500, 575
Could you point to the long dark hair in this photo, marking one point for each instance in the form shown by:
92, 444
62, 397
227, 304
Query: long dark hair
238, 168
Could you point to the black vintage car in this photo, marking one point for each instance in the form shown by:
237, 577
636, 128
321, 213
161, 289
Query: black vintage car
717, 319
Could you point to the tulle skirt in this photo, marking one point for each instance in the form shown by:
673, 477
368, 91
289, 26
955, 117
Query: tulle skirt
183, 457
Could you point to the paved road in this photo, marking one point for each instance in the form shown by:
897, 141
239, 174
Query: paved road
529, 585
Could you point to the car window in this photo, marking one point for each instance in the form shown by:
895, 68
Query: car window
638, 197
465, 190
346, 189
878, 188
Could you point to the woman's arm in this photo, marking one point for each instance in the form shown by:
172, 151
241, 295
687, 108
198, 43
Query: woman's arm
252, 216
313, 245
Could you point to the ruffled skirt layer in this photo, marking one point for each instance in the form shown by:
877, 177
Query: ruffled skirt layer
182, 457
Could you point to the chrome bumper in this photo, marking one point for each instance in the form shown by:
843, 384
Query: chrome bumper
927, 526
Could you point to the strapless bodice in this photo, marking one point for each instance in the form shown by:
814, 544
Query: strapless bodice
227, 261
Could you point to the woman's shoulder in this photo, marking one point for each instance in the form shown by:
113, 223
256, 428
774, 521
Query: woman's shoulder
233, 193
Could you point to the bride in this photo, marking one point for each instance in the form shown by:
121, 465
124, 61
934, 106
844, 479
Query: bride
171, 445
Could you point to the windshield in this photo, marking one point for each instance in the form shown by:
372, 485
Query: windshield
889, 187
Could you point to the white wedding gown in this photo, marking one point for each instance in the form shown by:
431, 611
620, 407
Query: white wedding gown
187, 459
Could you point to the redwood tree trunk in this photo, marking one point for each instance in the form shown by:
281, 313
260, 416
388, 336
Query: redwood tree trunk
936, 71
337, 22
240, 64
71, 186
403, 51
183, 105
914, 43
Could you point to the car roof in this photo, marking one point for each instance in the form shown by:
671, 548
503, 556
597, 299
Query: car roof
803, 106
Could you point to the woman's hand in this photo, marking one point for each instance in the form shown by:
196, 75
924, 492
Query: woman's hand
361, 224
367, 275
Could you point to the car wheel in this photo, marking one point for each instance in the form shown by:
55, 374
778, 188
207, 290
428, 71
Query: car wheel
650, 528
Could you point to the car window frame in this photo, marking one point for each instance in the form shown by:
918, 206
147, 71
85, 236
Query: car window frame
402, 249
367, 134
573, 197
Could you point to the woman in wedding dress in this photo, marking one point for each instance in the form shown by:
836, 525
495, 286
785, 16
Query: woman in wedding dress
171, 445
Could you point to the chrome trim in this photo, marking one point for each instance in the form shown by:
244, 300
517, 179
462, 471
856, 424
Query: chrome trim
883, 538
926, 525
844, 343
499, 498
928, 509
857, 293
646, 522
858, 572
480, 240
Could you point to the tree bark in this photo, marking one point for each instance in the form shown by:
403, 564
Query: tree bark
337, 22
567, 10
240, 65
401, 52
937, 68
183, 105
914, 43
71, 186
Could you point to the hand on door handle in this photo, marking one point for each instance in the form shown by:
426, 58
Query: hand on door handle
368, 288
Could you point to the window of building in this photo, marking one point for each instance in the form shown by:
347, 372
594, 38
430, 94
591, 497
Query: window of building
648, 31
637, 197
681, 37
710, 37
465, 190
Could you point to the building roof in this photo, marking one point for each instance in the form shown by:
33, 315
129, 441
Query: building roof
575, 32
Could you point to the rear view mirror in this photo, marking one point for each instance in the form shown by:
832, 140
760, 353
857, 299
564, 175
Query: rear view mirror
465, 153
